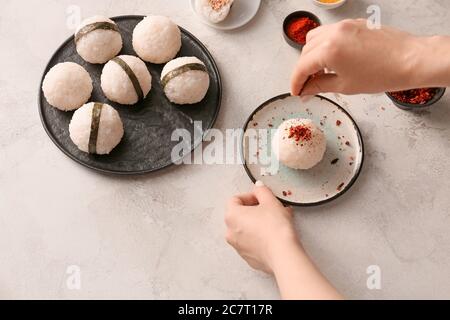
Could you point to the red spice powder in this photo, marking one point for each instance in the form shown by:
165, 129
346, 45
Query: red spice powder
300, 133
298, 28
414, 96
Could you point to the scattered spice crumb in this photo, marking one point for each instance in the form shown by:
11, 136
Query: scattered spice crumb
284, 193
338, 122
339, 188
270, 125
289, 192
255, 124
383, 108
351, 163
335, 161
347, 143
327, 195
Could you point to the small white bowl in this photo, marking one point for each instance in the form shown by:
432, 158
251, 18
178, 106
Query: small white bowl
328, 5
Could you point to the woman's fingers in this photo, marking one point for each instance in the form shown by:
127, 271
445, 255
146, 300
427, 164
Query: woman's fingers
264, 195
246, 199
321, 84
308, 64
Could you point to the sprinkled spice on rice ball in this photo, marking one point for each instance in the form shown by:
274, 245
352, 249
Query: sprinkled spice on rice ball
126, 80
299, 144
185, 80
98, 40
96, 128
214, 11
67, 86
156, 39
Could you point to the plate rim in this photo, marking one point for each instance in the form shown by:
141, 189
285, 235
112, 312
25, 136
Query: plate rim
317, 203
134, 172
215, 26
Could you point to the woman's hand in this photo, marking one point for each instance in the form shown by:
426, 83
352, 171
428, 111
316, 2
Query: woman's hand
258, 227
262, 232
356, 59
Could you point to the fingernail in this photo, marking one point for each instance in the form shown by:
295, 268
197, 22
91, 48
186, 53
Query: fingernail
305, 99
259, 183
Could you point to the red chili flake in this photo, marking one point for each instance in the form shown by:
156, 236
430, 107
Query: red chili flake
298, 28
270, 125
300, 132
327, 195
340, 186
255, 124
338, 122
284, 193
415, 96
351, 163
335, 161
289, 193
347, 143
383, 108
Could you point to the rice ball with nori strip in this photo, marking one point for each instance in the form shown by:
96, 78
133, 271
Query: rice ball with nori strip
185, 80
98, 40
299, 144
156, 39
96, 128
67, 86
126, 80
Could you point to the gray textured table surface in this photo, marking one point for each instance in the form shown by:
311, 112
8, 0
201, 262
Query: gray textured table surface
161, 235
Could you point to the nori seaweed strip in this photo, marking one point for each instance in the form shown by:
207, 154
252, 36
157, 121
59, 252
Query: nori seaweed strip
95, 26
95, 124
180, 70
131, 75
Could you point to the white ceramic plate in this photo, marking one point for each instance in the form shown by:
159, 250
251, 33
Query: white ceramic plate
326, 181
241, 13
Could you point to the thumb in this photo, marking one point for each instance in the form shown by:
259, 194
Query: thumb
322, 84
264, 194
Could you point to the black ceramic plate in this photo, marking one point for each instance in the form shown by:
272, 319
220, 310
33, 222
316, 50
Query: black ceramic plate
146, 145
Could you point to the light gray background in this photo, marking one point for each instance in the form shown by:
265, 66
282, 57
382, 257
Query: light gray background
161, 235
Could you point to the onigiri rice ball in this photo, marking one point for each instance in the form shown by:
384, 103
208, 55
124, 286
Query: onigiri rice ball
214, 11
96, 128
185, 80
126, 80
299, 144
98, 40
67, 86
156, 39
